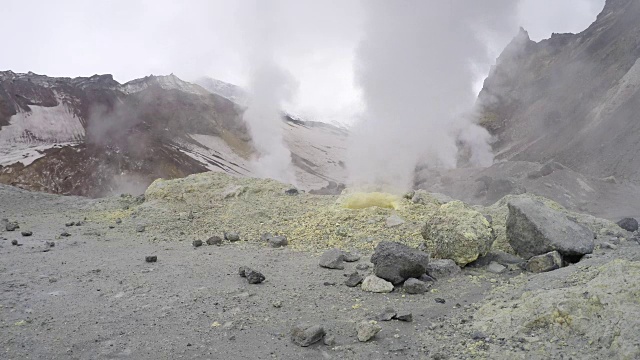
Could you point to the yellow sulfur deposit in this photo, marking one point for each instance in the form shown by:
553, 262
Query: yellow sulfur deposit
362, 200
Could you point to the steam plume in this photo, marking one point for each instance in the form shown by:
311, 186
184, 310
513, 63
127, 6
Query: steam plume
415, 66
270, 86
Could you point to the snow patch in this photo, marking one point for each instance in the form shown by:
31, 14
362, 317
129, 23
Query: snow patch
42, 125
26, 154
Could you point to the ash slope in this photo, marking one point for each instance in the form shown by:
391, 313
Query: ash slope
93, 136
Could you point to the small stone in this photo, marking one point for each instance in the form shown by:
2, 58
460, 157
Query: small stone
496, 268
367, 330
606, 245
352, 256
231, 236
197, 243
362, 267
278, 241
478, 335
375, 284
277, 304
140, 228
242, 271
65, 234
405, 316
329, 283
80, 223
112, 226
214, 240
329, 340
70, 223
118, 221
254, 277
12, 226
265, 237
353, 280
415, 286
545, 262
49, 244
151, 259
332, 259
14, 242
305, 335
440, 300
27, 233
442, 268
629, 224
291, 192
388, 314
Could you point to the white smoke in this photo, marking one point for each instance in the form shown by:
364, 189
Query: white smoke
415, 66
270, 87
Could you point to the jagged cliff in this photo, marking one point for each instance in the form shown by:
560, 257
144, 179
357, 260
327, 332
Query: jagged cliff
573, 98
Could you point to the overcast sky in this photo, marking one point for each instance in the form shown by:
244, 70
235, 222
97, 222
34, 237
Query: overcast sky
315, 40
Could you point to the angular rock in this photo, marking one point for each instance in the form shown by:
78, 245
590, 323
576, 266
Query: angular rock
70, 223
254, 277
197, 243
442, 268
397, 262
242, 271
404, 316
354, 280
375, 284
351, 256
535, 229
65, 234
415, 286
496, 268
629, 224
367, 330
151, 259
394, 220
231, 236
214, 240
305, 335
140, 228
11, 226
278, 241
332, 259
458, 232
543, 263
49, 244
387, 314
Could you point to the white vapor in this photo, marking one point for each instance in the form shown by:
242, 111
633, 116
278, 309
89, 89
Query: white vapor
416, 68
270, 87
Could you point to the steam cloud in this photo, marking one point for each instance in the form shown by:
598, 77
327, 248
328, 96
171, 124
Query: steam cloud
415, 66
270, 86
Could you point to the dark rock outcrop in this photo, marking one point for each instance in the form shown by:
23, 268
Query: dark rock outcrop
397, 262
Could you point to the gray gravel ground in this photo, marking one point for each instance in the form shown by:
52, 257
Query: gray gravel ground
93, 296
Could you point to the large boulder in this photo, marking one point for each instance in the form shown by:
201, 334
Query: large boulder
629, 224
459, 233
397, 262
535, 229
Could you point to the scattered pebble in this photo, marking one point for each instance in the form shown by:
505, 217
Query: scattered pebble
253, 277
440, 300
292, 191
305, 335
332, 259
140, 228
354, 280
49, 244
118, 221
406, 316
367, 330
214, 240
70, 223
27, 233
277, 304
278, 241
362, 267
197, 243
387, 315
151, 259
65, 234
231, 236
415, 286
14, 242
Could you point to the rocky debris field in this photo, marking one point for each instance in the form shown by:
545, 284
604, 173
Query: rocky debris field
217, 267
